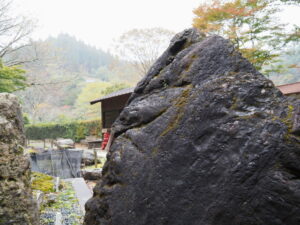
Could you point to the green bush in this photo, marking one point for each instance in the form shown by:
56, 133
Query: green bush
74, 130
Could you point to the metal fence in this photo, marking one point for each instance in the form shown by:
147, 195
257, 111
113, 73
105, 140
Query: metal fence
57, 163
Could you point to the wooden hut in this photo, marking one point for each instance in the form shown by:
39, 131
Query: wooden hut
112, 105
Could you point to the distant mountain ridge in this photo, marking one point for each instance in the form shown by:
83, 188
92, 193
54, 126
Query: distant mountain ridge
79, 55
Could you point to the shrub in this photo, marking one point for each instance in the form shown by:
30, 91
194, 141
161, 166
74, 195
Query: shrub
74, 130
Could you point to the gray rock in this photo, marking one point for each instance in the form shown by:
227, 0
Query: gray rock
204, 140
62, 143
51, 198
296, 121
88, 157
16, 201
91, 174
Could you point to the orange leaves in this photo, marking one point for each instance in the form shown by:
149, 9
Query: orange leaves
251, 25
211, 17
217, 11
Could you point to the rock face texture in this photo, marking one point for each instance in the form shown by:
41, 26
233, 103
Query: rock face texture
204, 140
16, 203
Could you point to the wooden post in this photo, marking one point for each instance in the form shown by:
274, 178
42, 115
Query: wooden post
57, 180
110, 140
95, 158
44, 143
51, 143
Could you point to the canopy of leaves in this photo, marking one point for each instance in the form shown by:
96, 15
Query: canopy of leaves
251, 25
11, 78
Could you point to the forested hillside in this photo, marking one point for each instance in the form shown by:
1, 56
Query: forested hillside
79, 56
65, 74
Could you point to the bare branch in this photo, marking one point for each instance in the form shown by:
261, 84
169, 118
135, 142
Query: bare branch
142, 47
52, 83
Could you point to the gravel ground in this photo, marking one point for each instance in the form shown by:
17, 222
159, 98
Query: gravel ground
67, 204
47, 218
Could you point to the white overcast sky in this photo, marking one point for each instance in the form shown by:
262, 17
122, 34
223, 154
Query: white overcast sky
98, 22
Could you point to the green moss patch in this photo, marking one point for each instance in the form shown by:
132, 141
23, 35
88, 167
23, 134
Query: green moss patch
42, 182
180, 104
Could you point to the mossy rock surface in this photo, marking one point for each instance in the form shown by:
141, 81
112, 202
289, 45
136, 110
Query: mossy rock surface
17, 205
204, 140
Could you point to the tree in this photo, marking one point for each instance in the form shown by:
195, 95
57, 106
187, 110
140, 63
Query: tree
142, 47
13, 33
50, 87
78, 55
89, 92
11, 78
93, 91
252, 27
114, 87
292, 74
55, 86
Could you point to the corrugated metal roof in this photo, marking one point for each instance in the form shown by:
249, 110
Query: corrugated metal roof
114, 94
290, 88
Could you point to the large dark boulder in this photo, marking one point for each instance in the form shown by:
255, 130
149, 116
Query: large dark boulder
204, 140
16, 203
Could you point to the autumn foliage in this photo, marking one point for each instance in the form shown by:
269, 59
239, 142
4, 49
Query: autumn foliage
251, 25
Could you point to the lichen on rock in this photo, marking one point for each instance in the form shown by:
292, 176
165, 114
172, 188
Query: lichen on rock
16, 203
204, 140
